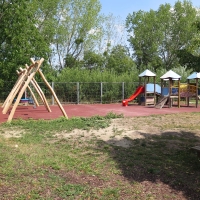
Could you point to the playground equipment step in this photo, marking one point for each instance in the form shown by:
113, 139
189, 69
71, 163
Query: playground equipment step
161, 102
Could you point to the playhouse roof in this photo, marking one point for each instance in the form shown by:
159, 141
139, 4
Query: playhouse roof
147, 73
170, 74
194, 75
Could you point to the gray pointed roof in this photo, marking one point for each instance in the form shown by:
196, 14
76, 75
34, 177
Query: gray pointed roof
147, 73
170, 74
194, 75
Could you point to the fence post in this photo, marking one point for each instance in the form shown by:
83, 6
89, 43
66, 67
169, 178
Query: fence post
101, 91
52, 97
122, 90
77, 87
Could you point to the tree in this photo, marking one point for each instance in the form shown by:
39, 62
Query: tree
112, 32
144, 39
93, 60
189, 60
156, 36
119, 60
190, 55
76, 22
20, 38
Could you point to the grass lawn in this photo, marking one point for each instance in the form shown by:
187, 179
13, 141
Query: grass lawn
37, 164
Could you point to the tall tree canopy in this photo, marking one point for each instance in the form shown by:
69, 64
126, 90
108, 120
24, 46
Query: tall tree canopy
119, 60
20, 36
77, 28
156, 36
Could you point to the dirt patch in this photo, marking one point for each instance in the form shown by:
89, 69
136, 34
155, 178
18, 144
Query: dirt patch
122, 131
9, 133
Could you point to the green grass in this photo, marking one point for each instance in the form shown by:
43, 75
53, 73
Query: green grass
38, 166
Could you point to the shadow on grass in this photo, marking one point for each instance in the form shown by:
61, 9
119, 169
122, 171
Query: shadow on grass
166, 158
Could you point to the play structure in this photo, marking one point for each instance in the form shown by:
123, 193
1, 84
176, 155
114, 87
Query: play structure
148, 90
174, 91
177, 90
26, 77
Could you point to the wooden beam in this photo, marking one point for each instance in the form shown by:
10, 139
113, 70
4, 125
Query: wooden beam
32, 94
179, 93
42, 95
53, 93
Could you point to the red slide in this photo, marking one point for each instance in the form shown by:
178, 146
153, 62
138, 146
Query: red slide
138, 91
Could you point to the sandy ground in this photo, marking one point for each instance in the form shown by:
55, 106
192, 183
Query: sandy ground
122, 131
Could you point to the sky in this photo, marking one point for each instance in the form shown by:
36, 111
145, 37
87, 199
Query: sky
122, 8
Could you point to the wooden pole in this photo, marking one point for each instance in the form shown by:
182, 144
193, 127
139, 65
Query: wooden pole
169, 85
179, 93
139, 97
42, 95
154, 78
36, 89
197, 99
32, 94
188, 89
53, 93
145, 92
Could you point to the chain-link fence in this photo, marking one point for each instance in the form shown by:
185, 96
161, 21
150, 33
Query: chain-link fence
81, 92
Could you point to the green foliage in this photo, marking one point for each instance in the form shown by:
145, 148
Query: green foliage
68, 79
82, 75
119, 60
183, 71
21, 38
70, 190
156, 36
189, 60
145, 40
93, 60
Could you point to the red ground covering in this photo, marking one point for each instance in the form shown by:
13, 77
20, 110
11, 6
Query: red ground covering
87, 110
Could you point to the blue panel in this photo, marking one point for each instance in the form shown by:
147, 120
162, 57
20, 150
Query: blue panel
175, 91
165, 91
150, 88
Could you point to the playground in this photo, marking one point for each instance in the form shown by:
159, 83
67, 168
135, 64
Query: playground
145, 155
150, 96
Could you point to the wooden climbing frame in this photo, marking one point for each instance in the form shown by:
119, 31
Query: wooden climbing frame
26, 77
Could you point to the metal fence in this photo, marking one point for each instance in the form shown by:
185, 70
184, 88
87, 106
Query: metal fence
82, 92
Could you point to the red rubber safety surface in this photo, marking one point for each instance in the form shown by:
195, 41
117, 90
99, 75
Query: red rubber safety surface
88, 110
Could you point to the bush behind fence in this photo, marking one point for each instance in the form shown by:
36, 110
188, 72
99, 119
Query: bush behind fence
82, 92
